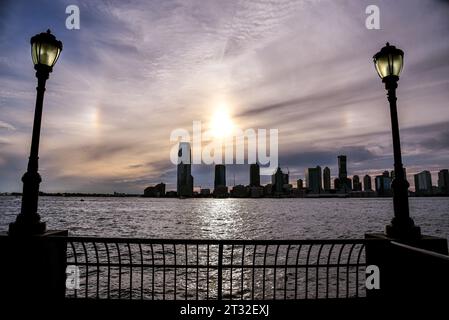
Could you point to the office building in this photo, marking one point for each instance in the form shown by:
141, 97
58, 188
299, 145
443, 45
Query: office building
327, 179
300, 184
278, 181
342, 169
383, 185
356, 184
443, 181
220, 176
314, 179
423, 183
254, 175
184, 186
367, 183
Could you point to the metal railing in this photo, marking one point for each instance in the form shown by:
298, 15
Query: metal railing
164, 269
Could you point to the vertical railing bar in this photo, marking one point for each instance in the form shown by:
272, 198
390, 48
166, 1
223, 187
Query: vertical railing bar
87, 268
98, 269
347, 269
327, 269
307, 270
186, 261
263, 273
232, 262
285, 272
317, 271
76, 263
153, 263
141, 271
220, 272
296, 271
253, 272
119, 270
175, 271
243, 265
275, 271
207, 274
130, 271
163, 271
109, 269
197, 269
362, 247
338, 268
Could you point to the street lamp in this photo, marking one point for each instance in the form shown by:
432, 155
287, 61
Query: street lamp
45, 51
389, 62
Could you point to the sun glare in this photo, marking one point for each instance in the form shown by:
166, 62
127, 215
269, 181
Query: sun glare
221, 123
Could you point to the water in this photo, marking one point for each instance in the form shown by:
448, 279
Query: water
228, 218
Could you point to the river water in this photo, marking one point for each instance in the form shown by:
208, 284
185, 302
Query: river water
296, 218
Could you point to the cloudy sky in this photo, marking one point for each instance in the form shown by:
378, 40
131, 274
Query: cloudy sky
136, 70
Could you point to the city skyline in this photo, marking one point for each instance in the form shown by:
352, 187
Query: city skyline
107, 127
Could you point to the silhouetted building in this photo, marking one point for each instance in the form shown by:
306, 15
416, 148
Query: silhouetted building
278, 181
383, 185
356, 184
342, 169
155, 191
327, 179
367, 183
443, 181
423, 183
256, 192
314, 179
220, 175
240, 191
184, 176
205, 192
254, 175
386, 174
300, 184
268, 190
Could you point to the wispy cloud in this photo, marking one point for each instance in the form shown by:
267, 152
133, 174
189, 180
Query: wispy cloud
136, 70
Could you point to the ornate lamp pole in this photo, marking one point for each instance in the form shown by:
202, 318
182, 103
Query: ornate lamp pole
389, 62
45, 51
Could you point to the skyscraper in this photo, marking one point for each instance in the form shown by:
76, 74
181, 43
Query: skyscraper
299, 184
356, 185
254, 175
278, 181
184, 185
367, 183
220, 176
342, 170
314, 179
423, 183
343, 184
327, 179
443, 181
383, 185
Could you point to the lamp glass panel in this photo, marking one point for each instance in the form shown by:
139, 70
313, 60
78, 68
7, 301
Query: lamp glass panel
34, 52
397, 64
382, 66
48, 54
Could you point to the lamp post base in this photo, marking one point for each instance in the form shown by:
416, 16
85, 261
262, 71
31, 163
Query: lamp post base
21, 228
408, 232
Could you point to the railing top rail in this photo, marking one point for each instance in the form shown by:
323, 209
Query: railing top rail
421, 251
216, 241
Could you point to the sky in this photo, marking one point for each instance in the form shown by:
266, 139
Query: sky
137, 70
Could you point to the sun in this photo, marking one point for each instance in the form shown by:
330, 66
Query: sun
221, 124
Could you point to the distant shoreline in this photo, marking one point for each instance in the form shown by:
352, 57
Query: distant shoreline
131, 195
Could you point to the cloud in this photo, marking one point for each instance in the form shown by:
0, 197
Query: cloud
136, 70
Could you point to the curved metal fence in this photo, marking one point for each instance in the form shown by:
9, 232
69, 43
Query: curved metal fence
164, 269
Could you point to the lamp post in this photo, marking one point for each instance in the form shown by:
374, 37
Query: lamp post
45, 51
389, 62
